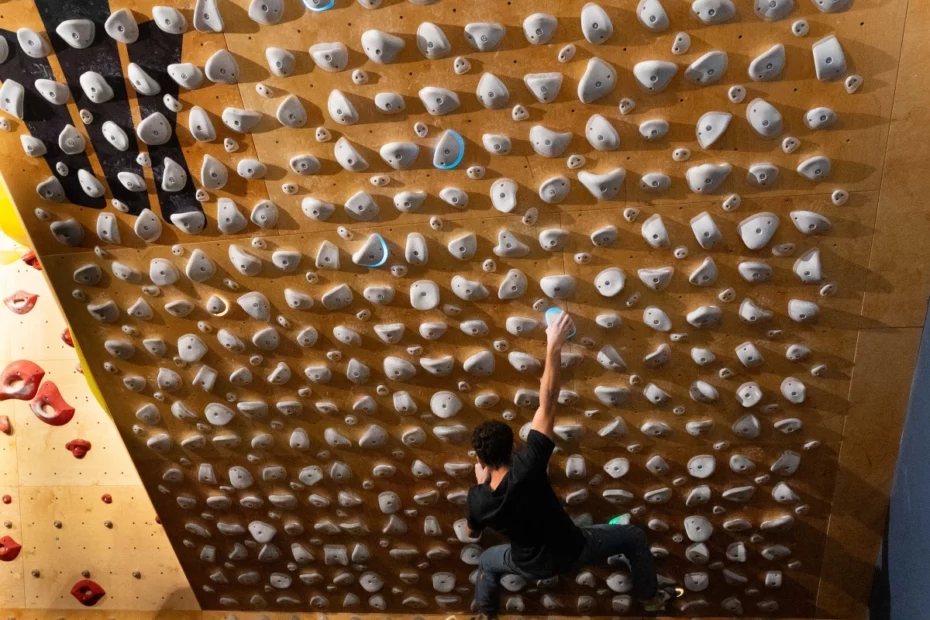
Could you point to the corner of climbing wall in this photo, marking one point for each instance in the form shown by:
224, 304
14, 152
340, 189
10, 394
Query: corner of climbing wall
306, 247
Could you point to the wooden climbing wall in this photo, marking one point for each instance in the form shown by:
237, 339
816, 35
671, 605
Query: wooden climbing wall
53, 503
791, 544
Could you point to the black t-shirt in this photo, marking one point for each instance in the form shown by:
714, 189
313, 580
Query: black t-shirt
525, 509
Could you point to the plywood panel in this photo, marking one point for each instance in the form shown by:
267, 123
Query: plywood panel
870, 34
85, 536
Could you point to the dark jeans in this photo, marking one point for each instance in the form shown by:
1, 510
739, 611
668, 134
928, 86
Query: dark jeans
601, 542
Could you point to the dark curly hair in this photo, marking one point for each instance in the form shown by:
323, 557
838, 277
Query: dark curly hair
493, 442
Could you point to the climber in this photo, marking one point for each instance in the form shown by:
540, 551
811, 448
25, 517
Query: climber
514, 497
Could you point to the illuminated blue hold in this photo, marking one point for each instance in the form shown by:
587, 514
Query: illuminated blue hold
552, 315
317, 9
460, 144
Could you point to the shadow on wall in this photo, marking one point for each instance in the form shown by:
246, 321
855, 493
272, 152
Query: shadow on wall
900, 590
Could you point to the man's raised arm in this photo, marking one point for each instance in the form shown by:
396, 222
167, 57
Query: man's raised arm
556, 335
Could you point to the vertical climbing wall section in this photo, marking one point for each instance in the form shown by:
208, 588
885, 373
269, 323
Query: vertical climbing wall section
307, 247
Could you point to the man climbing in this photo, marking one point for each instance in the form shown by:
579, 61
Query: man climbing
514, 497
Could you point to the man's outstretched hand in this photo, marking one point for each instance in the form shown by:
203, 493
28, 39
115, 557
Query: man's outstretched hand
559, 331
482, 474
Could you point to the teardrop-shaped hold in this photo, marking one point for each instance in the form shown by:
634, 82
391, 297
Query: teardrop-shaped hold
348, 157
707, 69
439, 101
705, 274
513, 286
222, 68
484, 36
381, 47
304, 164
280, 61
174, 177
601, 134
713, 11
154, 129
390, 103
122, 26
432, 41
819, 118
711, 126
757, 230
186, 74
291, 113
449, 150
90, 184
595, 24
200, 125
228, 218
464, 246
554, 190
332, 57
558, 286
362, 207
54, 92
610, 282
491, 92
654, 75
169, 19
802, 311
768, 65
762, 175
213, 174
829, 60
95, 87
598, 80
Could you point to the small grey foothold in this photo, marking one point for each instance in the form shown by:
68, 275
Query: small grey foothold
222, 68
708, 69
598, 80
121, 26
567, 53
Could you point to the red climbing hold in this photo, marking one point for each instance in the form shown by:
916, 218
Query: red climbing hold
20, 380
49, 397
32, 260
21, 302
5, 426
9, 549
107, 498
7, 499
66, 337
78, 447
87, 592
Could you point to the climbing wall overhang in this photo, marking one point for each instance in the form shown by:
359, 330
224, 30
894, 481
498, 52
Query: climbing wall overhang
703, 204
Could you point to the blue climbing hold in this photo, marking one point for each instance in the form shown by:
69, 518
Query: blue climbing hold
552, 314
318, 6
450, 150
